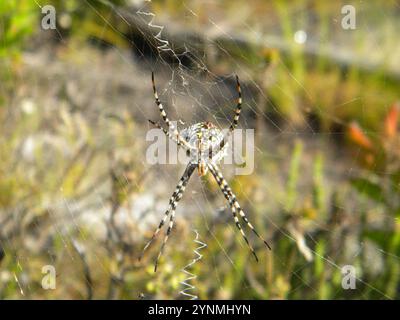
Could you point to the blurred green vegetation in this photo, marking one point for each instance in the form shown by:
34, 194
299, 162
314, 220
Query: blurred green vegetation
18, 20
317, 225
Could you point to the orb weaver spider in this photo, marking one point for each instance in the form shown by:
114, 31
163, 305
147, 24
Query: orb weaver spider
205, 145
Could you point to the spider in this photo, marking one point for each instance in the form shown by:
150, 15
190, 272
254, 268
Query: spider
205, 145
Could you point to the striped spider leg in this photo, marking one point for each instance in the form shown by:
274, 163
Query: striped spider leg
173, 203
235, 121
180, 188
164, 116
235, 207
158, 126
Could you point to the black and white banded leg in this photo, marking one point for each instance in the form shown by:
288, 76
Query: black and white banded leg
170, 125
173, 202
238, 106
234, 204
158, 126
233, 209
238, 109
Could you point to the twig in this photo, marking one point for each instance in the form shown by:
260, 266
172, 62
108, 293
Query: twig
86, 269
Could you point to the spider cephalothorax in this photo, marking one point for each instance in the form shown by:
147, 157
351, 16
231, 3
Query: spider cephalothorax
205, 145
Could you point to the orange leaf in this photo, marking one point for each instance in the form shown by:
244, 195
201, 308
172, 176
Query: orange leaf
391, 120
358, 136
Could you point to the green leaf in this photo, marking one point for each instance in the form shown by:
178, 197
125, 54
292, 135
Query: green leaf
369, 189
294, 170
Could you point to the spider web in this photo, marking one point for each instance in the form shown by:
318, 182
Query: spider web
192, 89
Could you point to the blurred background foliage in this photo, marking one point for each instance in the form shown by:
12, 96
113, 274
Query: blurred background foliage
77, 193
